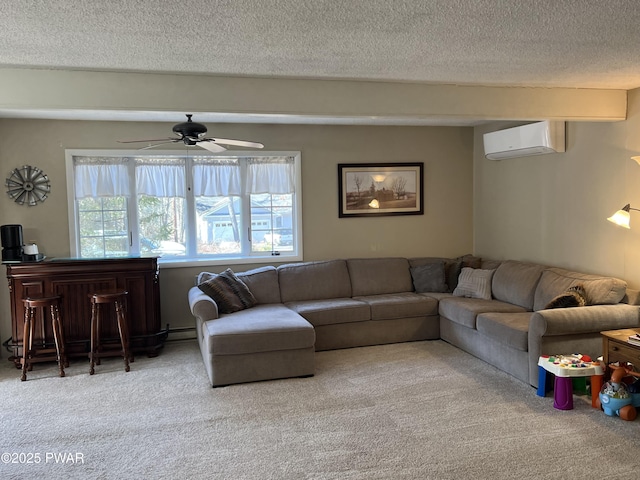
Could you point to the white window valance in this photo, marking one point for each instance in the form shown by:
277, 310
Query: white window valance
165, 176
222, 176
216, 177
101, 177
160, 177
274, 175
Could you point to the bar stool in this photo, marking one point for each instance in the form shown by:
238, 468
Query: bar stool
117, 298
28, 350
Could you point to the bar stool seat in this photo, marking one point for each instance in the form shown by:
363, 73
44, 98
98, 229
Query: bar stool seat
118, 299
29, 352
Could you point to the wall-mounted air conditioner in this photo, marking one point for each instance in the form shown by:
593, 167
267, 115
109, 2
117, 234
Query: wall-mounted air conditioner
533, 139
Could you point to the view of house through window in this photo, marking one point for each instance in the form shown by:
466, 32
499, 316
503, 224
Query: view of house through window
184, 207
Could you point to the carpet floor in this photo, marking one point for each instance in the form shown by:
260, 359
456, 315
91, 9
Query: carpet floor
422, 410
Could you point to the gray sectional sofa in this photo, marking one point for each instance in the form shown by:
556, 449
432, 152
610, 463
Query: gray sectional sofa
310, 306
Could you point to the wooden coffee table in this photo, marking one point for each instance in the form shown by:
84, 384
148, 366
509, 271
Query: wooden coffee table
616, 348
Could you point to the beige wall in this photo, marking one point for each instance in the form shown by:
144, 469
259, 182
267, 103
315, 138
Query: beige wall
553, 208
444, 229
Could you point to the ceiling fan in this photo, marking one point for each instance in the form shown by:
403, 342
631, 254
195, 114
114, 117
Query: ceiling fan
192, 133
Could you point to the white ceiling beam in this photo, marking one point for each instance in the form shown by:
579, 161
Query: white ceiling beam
33, 90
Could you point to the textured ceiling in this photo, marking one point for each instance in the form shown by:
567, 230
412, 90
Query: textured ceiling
547, 43
571, 43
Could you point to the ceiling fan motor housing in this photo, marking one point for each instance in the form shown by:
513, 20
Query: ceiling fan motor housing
190, 129
191, 133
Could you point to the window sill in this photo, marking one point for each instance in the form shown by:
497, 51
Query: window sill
173, 262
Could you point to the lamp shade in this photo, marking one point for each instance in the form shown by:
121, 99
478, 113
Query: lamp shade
621, 217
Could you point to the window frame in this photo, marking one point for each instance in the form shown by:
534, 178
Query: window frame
179, 262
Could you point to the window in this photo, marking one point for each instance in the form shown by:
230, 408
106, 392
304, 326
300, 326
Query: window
185, 208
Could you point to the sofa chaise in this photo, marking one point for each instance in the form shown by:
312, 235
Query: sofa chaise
493, 310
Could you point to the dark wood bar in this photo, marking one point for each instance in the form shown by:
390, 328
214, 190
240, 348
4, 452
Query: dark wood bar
74, 280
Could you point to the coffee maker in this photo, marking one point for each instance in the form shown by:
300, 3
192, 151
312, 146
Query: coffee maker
12, 243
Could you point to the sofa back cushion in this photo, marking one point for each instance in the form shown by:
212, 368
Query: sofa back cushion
263, 283
378, 276
516, 282
314, 281
600, 290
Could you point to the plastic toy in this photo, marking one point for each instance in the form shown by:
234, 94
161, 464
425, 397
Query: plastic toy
564, 370
619, 398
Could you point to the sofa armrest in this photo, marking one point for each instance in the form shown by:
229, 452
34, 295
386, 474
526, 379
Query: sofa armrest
202, 305
632, 297
575, 330
578, 320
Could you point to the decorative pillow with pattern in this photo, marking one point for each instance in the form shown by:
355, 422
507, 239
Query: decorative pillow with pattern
474, 283
229, 292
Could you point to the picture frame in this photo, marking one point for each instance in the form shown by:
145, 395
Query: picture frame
379, 189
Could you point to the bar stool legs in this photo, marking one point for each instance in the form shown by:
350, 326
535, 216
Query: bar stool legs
28, 350
117, 299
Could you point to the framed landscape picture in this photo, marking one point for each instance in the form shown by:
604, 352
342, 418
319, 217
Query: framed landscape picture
372, 189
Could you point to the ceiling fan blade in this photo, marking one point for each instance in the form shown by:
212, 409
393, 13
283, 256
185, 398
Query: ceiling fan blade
210, 145
236, 143
157, 144
166, 140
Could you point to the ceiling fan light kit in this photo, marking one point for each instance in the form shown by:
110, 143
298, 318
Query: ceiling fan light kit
193, 134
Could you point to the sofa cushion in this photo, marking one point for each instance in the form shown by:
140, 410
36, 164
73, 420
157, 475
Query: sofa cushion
314, 281
264, 328
464, 310
474, 283
377, 276
452, 267
331, 311
488, 264
400, 305
229, 292
515, 282
510, 329
600, 290
429, 278
263, 283
436, 295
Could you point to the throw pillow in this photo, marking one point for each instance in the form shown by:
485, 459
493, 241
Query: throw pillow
204, 276
470, 261
429, 278
474, 283
229, 292
453, 272
574, 296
